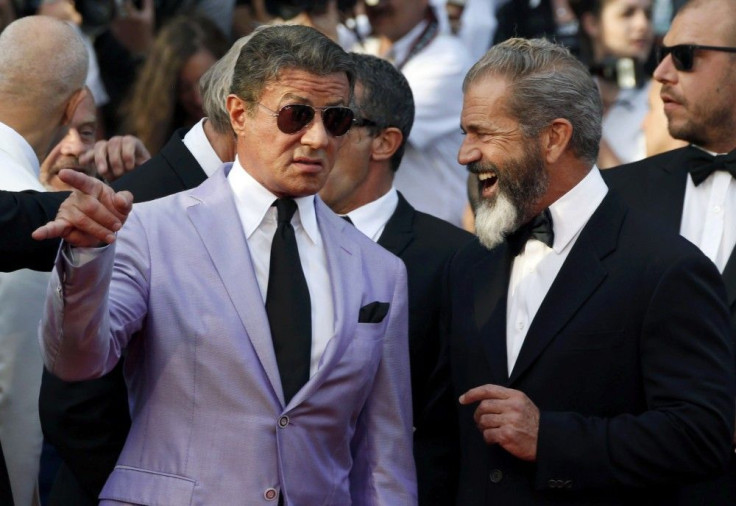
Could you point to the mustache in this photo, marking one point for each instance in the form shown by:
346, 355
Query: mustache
479, 167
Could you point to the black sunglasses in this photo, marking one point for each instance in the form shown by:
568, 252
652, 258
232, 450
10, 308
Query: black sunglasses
683, 55
293, 117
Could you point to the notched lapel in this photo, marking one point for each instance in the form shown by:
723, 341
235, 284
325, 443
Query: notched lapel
223, 238
490, 289
580, 276
398, 233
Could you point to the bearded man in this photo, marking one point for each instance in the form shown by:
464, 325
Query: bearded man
591, 352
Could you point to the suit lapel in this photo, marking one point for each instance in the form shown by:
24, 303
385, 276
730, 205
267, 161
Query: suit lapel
666, 188
227, 247
398, 233
182, 161
579, 277
729, 278
490, 289
343, 262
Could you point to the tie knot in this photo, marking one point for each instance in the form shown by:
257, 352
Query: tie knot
285, 209
539, 227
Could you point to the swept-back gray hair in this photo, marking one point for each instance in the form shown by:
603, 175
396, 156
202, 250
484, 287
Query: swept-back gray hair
272, 49
546, 82
386, 98
214, 86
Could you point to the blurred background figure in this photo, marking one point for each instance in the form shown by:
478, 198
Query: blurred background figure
616, 38
551, 19
165, 95
656, 135
414, 37
79, 139
327, 16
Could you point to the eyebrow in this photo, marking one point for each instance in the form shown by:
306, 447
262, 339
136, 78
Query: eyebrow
299, 98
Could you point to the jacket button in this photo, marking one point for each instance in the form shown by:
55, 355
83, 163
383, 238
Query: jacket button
270, 494
283, 421
496, 476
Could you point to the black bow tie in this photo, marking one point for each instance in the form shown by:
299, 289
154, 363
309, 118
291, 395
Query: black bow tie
539, 227
704, 164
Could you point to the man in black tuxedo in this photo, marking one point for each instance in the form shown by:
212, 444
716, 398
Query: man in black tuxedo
591, 351
686, 190
88, 421
360, 187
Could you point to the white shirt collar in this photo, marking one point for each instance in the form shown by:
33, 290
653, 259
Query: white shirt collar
18, 148
254, 201
371, 218
572, 211
197, 143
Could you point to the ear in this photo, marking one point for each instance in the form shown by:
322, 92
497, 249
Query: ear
555, 139
72, 104
238, 110
386, 144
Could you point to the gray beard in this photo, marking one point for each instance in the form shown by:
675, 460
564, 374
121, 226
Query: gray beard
494, 221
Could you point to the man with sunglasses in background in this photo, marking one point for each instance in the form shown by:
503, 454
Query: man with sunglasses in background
692, 190
267, 356
360, 188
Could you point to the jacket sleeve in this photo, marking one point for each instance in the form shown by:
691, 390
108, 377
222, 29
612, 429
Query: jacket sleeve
93, 309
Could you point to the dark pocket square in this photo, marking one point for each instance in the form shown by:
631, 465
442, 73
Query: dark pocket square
374, 312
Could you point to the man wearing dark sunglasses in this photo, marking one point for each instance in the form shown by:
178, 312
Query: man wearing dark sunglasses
360, 187
690, 190
267, 356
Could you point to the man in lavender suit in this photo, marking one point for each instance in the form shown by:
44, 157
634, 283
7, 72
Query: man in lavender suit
225, 407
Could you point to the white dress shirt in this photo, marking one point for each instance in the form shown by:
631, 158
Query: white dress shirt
21, 301
371, 218
258, 218
709, 216
197, 143
537, 266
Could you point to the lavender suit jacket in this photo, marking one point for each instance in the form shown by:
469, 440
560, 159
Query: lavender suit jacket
209, 424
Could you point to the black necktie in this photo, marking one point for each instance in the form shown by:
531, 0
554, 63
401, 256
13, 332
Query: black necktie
539, 227
347, 218
288, 304
704, 164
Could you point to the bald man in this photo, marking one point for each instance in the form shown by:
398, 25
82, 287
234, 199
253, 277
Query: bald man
43, 65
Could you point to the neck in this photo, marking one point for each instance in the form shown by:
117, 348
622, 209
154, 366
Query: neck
373, 188
38, 133
223, 144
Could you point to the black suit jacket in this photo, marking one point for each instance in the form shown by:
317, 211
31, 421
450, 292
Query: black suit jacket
629, 359
426, 244
656, 186
20, 214
88, 421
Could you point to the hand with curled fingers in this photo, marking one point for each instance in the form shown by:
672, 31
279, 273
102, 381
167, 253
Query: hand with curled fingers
91, 215
116, 156
506, 417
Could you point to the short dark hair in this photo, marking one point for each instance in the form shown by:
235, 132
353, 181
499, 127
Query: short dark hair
272, 49
386, 99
